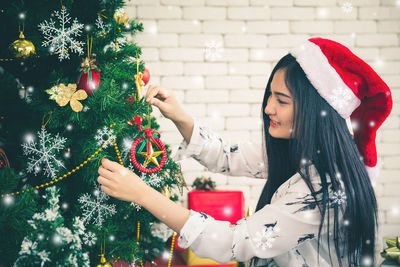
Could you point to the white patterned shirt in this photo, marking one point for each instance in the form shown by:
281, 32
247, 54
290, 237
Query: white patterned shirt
283, 233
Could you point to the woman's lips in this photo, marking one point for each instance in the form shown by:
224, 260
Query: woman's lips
273, 124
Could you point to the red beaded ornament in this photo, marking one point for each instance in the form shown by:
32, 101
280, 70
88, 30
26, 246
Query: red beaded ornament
148, 140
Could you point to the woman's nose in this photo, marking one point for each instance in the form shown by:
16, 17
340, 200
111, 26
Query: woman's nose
269, 109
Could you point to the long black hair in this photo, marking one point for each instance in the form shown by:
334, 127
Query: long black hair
320, 137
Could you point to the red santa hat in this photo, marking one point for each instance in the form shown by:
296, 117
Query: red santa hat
351, 87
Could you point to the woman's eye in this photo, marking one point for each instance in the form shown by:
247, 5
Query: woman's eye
281, 102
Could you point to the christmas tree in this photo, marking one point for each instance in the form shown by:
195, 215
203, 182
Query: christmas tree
72, 94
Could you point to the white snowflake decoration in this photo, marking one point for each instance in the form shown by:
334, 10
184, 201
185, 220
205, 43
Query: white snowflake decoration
347, 7
213, 50
103, 28
339, 197
340, 97
44, 153
152, 179
161, 231
89, 239
265, 239
96, 209
105, 136
60, 37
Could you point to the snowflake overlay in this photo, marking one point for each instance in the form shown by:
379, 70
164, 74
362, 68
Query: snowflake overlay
265, 239
126, 148
60, 38
347, 7
89, 239
105, 136
44, 153
213, 50
96, 209
339, 197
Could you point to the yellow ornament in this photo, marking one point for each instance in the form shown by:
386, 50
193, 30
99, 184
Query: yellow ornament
151, 156
103, 262
22, 48
64, 94
139, 83
121, 17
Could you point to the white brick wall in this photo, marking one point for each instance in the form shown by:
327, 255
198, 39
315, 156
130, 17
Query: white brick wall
253, 34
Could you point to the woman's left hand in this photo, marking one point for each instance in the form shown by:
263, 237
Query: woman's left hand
120, 182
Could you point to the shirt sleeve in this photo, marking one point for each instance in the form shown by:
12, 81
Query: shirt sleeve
218, 155
271, 231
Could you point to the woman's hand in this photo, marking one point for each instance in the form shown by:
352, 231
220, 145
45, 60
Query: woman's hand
123, 184
165, 100
120, 182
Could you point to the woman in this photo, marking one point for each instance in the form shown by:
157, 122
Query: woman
317, 207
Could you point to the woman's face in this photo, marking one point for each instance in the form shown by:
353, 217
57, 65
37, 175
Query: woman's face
280, 107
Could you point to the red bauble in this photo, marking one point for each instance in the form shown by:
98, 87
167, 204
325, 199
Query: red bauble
89, 82
146, 76
90, 77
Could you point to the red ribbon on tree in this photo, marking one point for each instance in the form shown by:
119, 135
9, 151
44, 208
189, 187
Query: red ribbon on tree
138, 121
149, 134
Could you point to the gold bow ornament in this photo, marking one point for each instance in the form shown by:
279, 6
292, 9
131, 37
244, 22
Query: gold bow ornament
63, 94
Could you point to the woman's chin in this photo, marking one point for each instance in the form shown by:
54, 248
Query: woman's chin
277, 134
272, 132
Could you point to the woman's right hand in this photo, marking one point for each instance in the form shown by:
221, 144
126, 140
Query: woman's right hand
165, 100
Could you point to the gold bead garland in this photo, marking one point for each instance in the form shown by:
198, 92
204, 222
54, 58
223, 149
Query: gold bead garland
172, 249
118, 154
137, 240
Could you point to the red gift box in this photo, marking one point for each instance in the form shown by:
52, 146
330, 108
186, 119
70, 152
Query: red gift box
221, 205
